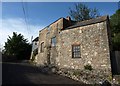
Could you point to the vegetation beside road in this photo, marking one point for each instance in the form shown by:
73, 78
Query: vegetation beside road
17, 47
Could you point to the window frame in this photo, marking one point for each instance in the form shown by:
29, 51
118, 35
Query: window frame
77, 52
52, 41
42, 47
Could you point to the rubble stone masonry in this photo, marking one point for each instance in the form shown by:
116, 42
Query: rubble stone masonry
92, 38
94, 47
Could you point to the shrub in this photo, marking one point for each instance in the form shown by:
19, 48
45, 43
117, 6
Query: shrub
88, 67
76, 73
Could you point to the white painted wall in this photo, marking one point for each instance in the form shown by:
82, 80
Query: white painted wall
34, 45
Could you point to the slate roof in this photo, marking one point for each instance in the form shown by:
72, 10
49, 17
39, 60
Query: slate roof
88, 22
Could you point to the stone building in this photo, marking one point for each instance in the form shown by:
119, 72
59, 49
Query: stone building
69, 44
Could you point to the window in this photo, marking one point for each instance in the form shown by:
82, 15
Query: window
35, 52
57, 25
76, 51
42, 47
49, 28
53, 40
35, 43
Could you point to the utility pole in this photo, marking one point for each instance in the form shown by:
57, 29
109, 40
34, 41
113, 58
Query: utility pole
31, 39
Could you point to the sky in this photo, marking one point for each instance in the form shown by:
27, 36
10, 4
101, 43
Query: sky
40, 14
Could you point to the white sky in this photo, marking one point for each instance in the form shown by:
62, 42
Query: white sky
17, 25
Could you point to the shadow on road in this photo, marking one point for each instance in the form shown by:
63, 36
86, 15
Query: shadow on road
23, 73
13, 73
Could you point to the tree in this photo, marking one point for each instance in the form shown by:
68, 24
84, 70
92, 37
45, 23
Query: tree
17, 46
82, 12
115, 22
115, 29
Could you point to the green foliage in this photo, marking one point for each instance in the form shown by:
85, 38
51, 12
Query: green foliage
115, 29
116, 42
82, 12
17, 46
88, 67
115, 22
109, 78
76, 73
118, 81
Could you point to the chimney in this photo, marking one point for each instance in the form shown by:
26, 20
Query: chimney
68, 18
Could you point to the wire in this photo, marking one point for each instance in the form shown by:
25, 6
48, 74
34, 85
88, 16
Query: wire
25, 16
119, 5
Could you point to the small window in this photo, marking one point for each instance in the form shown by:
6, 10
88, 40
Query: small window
49, 28
53, 40
57, 25
42, 47
35, 43
76, 51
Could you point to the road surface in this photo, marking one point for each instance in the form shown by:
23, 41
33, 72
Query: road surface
24, 73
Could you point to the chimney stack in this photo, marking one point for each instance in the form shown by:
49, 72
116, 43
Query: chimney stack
68, 18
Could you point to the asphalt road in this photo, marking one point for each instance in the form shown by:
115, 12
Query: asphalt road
26, 74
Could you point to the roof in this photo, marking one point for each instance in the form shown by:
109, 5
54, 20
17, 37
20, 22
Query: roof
36, 39
88, 22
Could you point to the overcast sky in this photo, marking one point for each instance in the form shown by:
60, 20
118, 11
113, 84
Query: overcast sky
39, 15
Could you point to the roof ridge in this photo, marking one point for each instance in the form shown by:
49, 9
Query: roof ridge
105, 17
88, 22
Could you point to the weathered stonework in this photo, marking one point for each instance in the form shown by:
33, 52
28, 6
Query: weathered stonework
91, 35
94, 47
45, 36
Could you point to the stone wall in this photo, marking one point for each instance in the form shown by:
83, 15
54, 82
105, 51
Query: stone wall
41, 55
94, 44
45, 36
